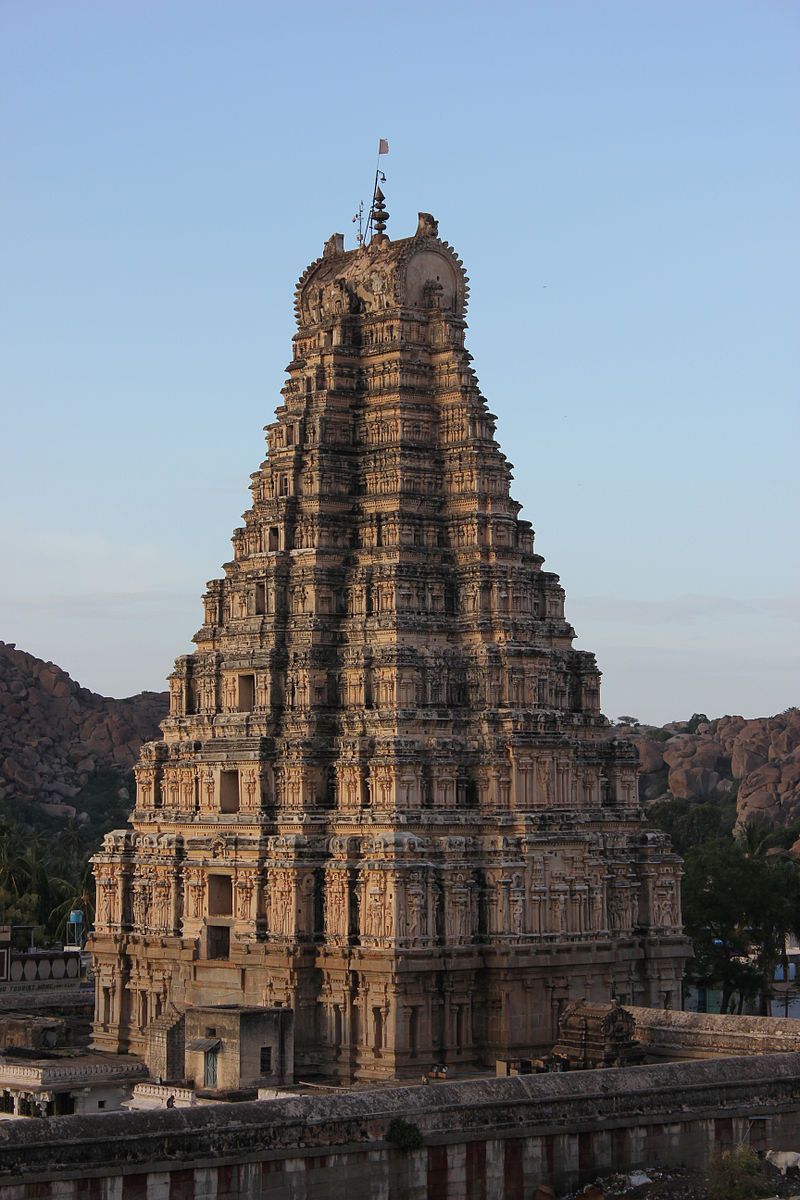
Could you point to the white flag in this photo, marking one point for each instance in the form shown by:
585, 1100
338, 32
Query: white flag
383, 146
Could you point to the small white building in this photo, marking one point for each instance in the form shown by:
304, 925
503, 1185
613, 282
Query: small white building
60, 1085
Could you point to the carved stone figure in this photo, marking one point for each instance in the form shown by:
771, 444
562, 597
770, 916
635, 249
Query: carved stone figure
141, 905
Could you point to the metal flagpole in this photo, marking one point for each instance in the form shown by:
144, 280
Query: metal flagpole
383, 148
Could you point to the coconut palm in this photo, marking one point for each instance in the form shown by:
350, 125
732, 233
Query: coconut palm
76, 894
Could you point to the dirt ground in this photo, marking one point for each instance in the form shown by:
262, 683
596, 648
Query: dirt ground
685, 1183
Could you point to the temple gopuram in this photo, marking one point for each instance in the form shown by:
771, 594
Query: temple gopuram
385, 797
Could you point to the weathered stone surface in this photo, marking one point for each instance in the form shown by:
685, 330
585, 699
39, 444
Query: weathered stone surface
385, 796
772, 791
760, 755
528, 1130
696, 765
675, 1034
54, 733
651, 754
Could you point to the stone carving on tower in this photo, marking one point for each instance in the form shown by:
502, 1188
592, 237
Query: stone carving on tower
385, 795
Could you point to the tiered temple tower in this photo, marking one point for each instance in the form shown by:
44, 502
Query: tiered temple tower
385, 796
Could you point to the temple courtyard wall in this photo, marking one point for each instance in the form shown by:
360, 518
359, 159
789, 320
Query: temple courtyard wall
673, 1034
493, 1139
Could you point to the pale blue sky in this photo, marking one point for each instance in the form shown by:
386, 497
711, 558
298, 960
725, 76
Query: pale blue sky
622, 182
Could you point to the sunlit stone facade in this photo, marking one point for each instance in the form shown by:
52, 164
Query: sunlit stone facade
385, 796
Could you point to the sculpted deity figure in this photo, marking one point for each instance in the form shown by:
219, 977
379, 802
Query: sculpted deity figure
597, 908
244, 897
374, 914
336, 903
350, 790
141, 905
250, 788
546, 780
556, 912
664, 905
618, 908
195, 885
282, 904
517, 912
161, 899
187, 790
108, 900
417, 915
459, 914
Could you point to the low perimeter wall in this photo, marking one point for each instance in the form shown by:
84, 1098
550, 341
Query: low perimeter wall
667, 1033
492, 1139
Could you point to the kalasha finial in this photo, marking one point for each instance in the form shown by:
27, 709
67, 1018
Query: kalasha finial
379, 216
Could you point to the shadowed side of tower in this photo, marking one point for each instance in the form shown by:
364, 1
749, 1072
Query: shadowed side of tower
385, 797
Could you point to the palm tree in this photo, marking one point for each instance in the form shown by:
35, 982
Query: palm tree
75, 894
753, 836
70, 845
15, 871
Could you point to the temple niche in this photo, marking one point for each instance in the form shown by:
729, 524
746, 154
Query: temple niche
385, 797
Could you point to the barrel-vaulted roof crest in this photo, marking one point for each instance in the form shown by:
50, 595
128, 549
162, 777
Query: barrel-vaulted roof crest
420, 272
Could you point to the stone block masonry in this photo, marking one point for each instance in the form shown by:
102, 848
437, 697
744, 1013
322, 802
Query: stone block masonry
386, 797
675, 1035
483, 1140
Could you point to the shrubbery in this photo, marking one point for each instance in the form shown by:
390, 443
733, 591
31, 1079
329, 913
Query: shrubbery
737, 1175
404, 1135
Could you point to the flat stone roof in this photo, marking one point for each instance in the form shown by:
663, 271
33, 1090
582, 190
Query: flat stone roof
66, 1068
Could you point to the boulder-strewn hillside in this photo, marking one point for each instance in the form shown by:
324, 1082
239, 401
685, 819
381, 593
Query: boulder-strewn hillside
56, 736
755, 763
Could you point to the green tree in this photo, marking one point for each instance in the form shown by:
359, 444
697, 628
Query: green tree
739, 909
692, 824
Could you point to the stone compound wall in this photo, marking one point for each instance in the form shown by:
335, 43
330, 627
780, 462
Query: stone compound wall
676, 1035
484, 1140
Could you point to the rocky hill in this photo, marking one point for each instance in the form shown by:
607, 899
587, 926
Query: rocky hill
752, 763
56, 736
